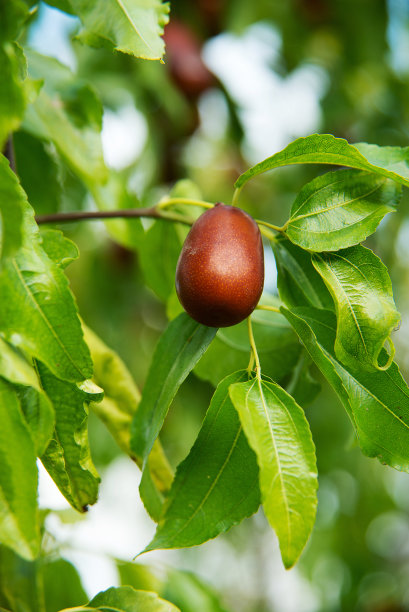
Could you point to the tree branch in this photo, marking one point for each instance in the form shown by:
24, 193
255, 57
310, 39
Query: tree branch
153, 212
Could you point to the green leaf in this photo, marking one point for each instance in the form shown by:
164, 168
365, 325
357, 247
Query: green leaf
117, 409
298, 282
340, 209
40, 416
19, 528
177, 352
67, 458
35, 404
12, 202
277, 345
216, 486
68, 113
130, 26
182, 588
13, 94
38, 312
38, 172
362, 292
278, 432
25, 585
61, 250
376, 402
302, 385
12, 16
158, 257
391, 162
127, 599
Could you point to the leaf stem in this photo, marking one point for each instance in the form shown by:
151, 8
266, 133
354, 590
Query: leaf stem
253, 348
276, 228
270, 308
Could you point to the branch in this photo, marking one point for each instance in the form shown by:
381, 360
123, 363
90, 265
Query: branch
153, 211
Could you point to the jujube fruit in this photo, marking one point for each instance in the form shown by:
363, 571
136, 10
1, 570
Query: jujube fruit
220, 271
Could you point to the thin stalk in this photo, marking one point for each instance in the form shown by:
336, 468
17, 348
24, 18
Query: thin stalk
270, 308
251, 363
236, 196
254, 348
276, 228
185, 201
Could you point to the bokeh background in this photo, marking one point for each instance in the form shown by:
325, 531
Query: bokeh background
240, 81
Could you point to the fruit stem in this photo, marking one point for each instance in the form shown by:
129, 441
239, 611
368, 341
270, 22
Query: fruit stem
186, 201
236, 196
253, 349
270, 308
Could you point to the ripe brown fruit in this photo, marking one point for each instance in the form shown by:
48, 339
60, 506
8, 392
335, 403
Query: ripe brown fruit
220, 272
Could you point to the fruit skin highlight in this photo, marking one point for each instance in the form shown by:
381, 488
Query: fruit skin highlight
220, 271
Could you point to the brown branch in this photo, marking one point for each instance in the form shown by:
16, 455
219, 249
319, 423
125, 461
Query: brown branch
112, 214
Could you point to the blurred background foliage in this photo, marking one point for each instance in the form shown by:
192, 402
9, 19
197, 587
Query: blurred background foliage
240, 80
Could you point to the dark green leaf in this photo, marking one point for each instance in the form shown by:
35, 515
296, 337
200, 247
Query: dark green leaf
391, 162
25, 585
19, 528
216, 486
178, 350
299, 284
278, 432
377, 402
12, 201
12, 16
127, 599
38, 172
158, 257
362, 292
13, 94
67, 458
130, 26
302, 385
38, 311
340, 209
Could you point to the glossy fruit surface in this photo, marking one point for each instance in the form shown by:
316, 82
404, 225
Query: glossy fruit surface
220, 272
